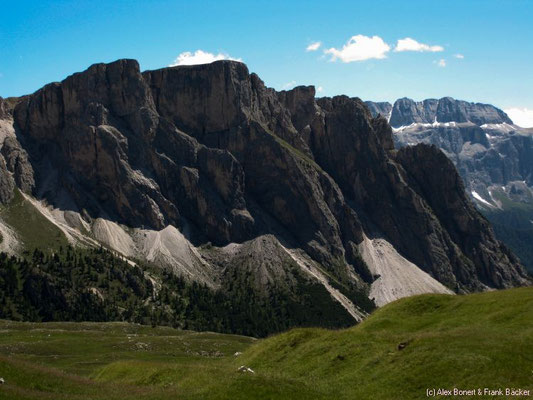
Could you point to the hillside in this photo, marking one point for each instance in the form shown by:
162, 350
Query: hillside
398, 352
76, 284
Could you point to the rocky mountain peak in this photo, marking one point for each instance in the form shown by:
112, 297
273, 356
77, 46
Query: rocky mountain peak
407, 111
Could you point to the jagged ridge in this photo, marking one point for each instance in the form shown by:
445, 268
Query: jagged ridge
211, 150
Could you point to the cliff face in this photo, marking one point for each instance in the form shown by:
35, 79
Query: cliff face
442, 188
211, 150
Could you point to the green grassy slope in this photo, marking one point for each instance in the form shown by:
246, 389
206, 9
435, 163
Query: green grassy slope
32, 228
480, 340
82, 360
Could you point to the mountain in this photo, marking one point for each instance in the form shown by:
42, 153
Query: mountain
205, 171
493, 156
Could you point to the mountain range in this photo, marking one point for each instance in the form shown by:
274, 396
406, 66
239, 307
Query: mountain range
494, 158
204, 171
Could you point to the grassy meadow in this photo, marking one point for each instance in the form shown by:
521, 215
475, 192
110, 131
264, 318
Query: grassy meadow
430, 341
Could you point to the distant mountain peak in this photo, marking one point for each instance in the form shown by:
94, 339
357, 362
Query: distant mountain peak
447, 109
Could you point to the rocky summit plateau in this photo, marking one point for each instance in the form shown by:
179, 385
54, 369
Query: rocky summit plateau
205, 171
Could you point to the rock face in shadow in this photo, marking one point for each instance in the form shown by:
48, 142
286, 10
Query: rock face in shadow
124, 161
212, 150
442, 188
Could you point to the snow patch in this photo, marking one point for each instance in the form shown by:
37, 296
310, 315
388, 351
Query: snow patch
494, 200
481, 199
434, 124
506, 128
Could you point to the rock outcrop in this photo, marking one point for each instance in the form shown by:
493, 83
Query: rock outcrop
3, 109
15, 167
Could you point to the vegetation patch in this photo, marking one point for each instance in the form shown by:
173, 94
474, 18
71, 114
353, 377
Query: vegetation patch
76, 284
33, 229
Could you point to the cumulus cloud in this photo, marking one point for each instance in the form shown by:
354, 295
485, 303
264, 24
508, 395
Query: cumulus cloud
409, 44
313, 46
319, 89
289, 85
521, 116
360, 48
459, 56
200, 57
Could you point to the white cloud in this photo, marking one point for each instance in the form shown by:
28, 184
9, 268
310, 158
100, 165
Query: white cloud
409, 44
313, 46
360, 48
289, 85
200, 57
521, 116
441, 63
319, 89
459, 56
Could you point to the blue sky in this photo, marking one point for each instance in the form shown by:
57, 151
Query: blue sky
43, 41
